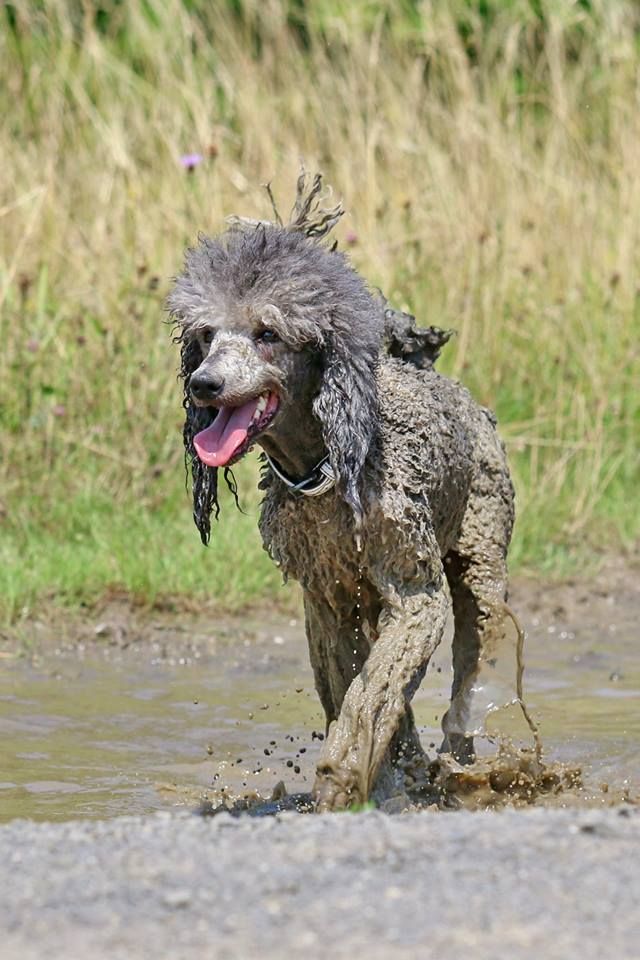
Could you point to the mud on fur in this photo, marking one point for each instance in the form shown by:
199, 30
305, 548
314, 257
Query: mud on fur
382, 479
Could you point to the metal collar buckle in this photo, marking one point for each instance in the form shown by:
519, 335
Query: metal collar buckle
318, 481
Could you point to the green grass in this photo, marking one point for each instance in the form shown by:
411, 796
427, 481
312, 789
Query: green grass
89, 542
487, 156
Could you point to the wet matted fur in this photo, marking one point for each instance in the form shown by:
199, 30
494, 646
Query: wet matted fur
422, 489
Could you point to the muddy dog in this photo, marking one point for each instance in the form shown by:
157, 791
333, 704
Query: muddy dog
382, 478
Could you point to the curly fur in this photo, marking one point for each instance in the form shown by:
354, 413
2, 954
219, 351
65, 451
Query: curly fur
422, 488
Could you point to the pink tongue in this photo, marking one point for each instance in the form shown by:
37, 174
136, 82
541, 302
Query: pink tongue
217, 444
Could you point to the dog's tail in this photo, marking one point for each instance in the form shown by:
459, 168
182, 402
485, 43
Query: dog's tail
419, 346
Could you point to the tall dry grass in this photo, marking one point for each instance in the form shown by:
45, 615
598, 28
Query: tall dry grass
489, 168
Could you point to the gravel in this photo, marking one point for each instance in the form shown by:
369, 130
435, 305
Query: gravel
536, 883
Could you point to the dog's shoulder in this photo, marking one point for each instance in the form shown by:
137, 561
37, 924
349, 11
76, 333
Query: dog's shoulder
418, 400
424, 455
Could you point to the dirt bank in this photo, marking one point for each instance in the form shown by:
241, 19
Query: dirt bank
607, 601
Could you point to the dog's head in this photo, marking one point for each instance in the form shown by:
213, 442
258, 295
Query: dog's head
274, 327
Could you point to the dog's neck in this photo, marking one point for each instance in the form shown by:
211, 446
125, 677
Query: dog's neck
296, 446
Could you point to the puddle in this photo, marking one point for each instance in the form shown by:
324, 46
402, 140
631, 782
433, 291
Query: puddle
112, 728
99, 735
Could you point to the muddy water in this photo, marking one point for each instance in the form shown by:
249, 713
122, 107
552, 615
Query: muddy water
104, 732
129, 720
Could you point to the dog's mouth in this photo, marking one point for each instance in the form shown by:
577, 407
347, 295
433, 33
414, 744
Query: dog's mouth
234, 430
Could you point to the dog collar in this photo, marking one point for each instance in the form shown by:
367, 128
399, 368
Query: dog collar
318, 481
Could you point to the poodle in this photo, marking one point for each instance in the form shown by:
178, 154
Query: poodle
383, 480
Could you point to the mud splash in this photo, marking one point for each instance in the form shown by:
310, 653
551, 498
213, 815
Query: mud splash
514, 777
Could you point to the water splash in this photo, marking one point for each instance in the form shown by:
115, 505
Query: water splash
498, 682
358, 609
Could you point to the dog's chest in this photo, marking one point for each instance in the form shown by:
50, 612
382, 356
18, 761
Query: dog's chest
310, 539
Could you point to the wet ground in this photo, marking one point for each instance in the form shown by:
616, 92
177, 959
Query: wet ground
126, 713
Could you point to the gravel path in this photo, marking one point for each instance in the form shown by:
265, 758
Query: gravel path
541, 883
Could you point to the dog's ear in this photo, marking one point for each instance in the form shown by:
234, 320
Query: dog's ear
347, 409
204, 478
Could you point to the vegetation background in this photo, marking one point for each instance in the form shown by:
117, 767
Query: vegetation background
487, 153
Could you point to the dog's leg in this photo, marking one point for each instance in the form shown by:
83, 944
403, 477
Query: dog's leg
409, 629
477, 574
478, 592
337, 650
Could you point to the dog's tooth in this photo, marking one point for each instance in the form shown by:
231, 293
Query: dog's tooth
260, 408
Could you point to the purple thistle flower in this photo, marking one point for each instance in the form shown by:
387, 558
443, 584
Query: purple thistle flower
190, 160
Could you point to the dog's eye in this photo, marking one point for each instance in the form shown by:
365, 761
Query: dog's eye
267, 336
207, 335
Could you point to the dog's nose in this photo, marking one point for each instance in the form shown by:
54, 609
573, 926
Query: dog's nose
206, 386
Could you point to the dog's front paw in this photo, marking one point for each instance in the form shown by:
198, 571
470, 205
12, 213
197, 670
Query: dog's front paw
335, 790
